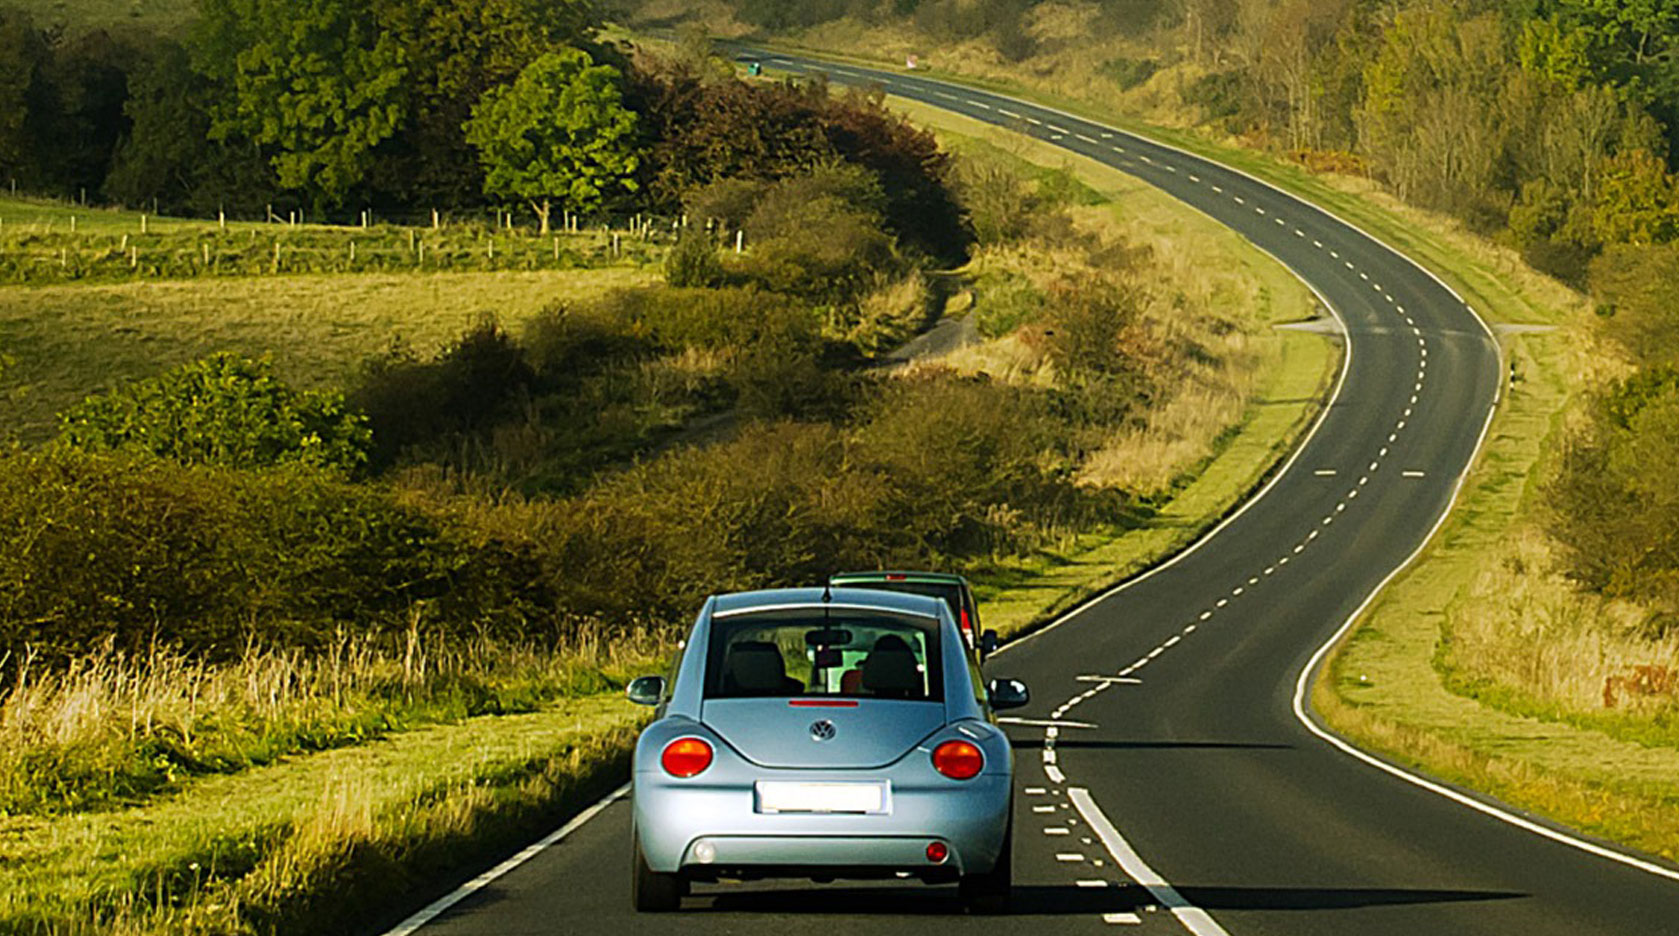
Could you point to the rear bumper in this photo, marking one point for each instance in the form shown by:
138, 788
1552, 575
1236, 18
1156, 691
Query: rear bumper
710, 831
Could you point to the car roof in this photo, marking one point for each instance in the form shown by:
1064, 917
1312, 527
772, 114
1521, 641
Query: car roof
853, 598
894, 575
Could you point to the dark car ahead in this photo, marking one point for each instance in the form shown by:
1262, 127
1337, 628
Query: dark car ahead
953, 590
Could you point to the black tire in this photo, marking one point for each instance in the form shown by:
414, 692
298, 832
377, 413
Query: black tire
651, 891
988, 894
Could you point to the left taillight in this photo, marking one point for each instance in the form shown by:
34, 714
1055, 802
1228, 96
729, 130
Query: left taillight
958, 760
686, 757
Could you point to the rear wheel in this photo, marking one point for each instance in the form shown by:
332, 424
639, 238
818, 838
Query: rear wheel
652, 891
988, 893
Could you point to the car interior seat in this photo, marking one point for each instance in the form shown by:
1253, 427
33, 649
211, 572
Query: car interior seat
755, 667
890, 670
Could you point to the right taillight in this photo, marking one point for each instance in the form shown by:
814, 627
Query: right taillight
958, 760
686, 757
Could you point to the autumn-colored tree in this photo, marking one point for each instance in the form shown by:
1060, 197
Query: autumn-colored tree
1637, 200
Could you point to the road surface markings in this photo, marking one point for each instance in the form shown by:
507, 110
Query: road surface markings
1054, 774
1414, 474
1008, 113
1057, 830
436, 908
1195, 178
1325, 472
1123, 919
1318, 244
1218, 189
1110, 680
1240, 200
1091, 882
1069, 857
1192, 917
1043, 723
1035, 791
1054, 129
1084, 138
980, 104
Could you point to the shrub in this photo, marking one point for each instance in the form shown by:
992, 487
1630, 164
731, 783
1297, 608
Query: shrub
693, 261
1611, 506
224, 410
1127, 72
128, 550
468, 389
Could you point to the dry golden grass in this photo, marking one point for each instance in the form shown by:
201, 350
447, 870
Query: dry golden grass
109, 729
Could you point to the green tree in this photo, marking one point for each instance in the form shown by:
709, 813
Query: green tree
455, 50
24, 55
224, 410
559, 132
315, 82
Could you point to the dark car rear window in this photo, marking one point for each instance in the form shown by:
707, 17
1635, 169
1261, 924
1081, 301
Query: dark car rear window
950, 593
852, 654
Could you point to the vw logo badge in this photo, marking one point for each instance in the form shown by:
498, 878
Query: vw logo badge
822, 731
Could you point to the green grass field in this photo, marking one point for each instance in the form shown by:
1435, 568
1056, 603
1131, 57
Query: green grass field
48, 243
67, 342
347, 828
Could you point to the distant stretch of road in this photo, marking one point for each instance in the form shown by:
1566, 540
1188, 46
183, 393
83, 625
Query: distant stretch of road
1171, 780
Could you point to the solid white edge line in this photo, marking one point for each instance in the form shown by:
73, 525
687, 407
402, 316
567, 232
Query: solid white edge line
1193, 918
1309, 672
437, 907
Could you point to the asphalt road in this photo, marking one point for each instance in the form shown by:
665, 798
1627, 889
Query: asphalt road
1199, 801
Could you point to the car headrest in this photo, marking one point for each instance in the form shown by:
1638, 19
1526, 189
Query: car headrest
890, 669
756, 666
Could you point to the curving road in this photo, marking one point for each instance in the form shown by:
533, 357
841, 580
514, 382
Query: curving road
1188, 792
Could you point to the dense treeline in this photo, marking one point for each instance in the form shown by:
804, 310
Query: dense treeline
403, 108
1553, 123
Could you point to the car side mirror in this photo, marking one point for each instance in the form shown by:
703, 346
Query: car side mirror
1007, 694
987, 643
646, 690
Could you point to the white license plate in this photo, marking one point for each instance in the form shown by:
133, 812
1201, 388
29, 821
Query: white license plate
785, 796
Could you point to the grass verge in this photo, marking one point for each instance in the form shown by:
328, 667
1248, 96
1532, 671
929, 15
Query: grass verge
1292, 372
319, 844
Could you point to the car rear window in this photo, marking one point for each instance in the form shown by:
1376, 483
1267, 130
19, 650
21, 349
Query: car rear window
950, 593
851, 654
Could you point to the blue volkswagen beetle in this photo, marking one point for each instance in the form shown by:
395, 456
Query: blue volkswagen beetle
823, 733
